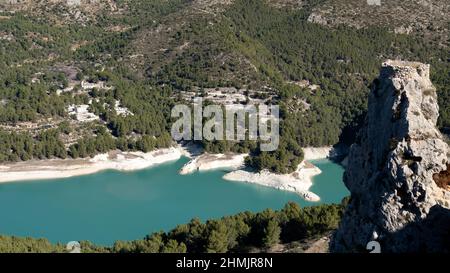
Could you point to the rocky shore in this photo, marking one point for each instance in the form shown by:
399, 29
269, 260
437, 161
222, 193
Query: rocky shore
207, 162
63, 168
299, 181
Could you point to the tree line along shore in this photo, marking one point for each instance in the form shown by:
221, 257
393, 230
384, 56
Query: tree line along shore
264, 231
320, 81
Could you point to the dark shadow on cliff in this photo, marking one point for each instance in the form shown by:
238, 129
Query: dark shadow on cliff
429, 235
350, 131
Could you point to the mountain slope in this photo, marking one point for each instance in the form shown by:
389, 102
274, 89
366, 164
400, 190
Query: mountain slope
426, 18
164, 52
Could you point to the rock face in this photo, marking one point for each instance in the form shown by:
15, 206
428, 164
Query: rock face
398, 170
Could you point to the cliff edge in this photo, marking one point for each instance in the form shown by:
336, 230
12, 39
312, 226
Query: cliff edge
398, 169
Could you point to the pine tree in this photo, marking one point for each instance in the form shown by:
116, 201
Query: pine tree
218, 238
272, 234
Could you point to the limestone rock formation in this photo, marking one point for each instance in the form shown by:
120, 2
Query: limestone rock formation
398, 170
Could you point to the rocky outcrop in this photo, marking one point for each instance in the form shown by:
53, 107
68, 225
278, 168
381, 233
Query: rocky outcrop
398, 170
406, 17
61, 11
299, 181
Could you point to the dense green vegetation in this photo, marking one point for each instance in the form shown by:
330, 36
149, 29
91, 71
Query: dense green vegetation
242, 232
251, 45
27, 245
46, 144
284, 48
28, 89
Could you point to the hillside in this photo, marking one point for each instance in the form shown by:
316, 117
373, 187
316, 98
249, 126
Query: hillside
427, 19
89, 76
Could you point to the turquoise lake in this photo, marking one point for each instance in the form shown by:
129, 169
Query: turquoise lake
112, 205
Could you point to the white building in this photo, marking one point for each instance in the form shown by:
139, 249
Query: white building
82, 113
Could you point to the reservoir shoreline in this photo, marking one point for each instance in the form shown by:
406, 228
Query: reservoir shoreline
299, 181
111, 205
65, 168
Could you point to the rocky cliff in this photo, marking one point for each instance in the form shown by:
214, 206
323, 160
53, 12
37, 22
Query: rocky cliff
398, 170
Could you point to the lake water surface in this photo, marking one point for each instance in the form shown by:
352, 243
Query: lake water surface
112, 205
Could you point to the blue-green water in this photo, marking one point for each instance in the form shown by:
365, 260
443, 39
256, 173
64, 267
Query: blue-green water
328, 185
112, 205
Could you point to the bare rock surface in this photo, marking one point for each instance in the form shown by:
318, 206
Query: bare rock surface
398, 170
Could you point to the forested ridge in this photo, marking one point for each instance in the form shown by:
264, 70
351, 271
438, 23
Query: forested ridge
284, 48
243, 232
149, 53
319, 76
